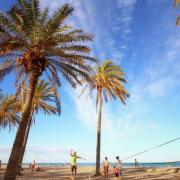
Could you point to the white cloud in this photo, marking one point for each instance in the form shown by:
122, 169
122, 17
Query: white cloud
161, 87
162, 73
42, 154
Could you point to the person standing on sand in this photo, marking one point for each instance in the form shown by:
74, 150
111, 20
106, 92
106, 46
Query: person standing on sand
106, 166
73, 162
136, 163
119, 165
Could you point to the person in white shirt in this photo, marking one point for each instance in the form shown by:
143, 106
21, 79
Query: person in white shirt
119, 165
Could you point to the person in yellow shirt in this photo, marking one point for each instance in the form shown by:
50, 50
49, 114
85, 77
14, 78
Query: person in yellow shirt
73, 162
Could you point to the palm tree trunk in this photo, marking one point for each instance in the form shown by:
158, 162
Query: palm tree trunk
12, 167
98, 145
25, 141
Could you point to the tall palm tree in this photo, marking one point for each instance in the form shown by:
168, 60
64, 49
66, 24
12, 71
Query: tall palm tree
33, 43
176, 3
43, 95
107, 80
8, 111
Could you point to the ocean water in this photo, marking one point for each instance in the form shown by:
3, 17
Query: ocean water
158, 164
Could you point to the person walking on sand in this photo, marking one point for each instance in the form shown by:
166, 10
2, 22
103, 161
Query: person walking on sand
136, 163
73, 162
119, 165
106, 166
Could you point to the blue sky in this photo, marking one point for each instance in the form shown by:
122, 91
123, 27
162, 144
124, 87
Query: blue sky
141, 36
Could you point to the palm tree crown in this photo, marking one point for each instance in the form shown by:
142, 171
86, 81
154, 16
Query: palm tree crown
31, 40
8, 111
107, 79
43, 100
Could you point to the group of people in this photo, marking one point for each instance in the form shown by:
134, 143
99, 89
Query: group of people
117, 167
73, 161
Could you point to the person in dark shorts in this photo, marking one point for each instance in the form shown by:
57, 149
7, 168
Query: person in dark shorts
136, 163
73, 162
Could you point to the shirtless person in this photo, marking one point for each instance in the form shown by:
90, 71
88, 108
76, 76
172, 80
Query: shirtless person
106, 166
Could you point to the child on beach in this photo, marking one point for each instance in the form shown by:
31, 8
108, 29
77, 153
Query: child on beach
116, 171
106, 166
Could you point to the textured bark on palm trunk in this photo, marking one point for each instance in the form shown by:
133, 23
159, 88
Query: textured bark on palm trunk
25, 142
17, 148
98, 145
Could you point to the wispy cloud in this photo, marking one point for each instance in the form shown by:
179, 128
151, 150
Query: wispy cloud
42, 154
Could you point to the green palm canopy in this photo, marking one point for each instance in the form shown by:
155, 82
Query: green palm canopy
8, 111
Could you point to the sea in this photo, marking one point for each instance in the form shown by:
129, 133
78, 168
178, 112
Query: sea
154, 164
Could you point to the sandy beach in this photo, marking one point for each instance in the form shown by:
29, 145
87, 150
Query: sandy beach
60, 173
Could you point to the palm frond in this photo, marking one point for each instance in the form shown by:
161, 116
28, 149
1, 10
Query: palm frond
8, 112
57, 18
5, 68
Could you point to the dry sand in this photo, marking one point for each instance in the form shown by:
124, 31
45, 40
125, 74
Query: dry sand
86, 173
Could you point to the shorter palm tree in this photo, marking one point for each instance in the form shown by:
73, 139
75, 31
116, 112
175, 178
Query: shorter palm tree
44, 94
107, 80
8, 111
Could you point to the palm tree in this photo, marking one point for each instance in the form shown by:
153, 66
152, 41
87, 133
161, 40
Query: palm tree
8, 111
176, 3
33, 43
107, 80
43, 94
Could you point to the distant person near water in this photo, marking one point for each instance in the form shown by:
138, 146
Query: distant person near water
106, 166
34, 167
136, 163
0, 164
73, 162
119, 165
